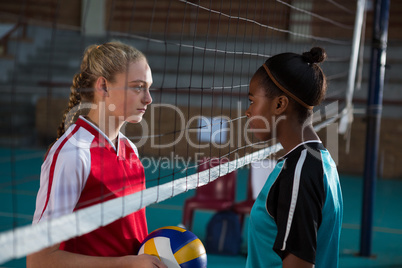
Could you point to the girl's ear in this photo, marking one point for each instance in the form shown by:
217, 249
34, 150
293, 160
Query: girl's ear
101, 86
282, 103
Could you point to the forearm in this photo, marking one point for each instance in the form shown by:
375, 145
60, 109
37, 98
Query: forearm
53, 257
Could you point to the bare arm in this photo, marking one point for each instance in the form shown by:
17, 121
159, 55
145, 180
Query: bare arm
291, 261
53, 257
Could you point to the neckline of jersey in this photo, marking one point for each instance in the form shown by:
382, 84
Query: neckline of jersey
103, 134
297, 146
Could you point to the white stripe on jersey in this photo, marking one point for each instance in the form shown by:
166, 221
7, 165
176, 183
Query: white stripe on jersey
71, 170
295, 192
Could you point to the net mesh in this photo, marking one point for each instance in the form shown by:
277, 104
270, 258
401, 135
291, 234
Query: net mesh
202, 55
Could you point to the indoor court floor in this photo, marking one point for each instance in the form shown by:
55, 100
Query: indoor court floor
387, 230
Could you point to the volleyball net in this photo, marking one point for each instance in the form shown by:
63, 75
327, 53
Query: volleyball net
202, 55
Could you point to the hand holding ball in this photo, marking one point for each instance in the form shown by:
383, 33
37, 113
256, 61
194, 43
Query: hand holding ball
176, 247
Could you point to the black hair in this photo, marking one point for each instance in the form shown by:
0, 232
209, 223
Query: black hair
300, 74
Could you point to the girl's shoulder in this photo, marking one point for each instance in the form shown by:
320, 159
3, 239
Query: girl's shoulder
75, 143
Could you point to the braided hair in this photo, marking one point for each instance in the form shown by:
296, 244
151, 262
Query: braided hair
104, 60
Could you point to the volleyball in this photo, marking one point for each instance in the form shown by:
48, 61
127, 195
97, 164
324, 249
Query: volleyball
176, 247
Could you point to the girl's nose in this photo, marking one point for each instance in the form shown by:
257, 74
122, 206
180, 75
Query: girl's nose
248, 114
147, 97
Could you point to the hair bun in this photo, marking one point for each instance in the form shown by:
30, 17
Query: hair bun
315, 55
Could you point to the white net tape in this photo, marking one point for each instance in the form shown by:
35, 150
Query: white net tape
23, 241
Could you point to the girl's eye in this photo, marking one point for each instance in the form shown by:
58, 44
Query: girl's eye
138, 88
251, 102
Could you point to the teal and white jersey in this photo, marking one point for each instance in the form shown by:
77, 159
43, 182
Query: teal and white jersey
299, 211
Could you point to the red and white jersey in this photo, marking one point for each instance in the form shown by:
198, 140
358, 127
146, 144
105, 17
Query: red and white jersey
84, 168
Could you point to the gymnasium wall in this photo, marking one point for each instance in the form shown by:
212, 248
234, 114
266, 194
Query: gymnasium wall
45, 12
133, 17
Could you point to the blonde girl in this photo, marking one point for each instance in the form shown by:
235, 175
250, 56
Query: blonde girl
92, 161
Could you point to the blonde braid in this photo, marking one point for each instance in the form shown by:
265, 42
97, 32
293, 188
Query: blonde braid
104, 60
75, 99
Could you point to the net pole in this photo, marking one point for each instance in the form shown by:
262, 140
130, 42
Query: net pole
374, 109
347, 117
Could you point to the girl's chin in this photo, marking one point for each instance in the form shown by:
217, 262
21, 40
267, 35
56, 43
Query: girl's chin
134, 119
261, 136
